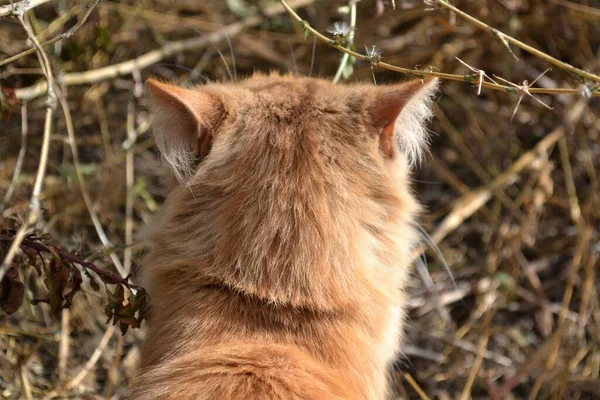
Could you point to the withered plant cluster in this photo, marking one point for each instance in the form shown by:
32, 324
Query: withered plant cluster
504, 302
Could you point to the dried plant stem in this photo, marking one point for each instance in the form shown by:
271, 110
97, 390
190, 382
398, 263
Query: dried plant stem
25, 382
155, 56
62, 36
468, 204
107, 277
453, 77
34, 209
587, 291
63, 347
129, 181
113, 372
483, 342
83, 187
552, 354
565, 160
525, 369
20, 7
86, 368
595, 12
350, 41
20, 158
504, 37
411, 381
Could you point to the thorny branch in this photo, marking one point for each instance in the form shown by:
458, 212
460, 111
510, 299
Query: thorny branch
473, 79
510, 40
524, 89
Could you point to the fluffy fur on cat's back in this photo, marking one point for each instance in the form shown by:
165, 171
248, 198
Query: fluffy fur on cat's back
278, 264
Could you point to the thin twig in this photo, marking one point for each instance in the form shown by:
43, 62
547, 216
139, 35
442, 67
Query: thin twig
130, 173
63, 347
586, 292
34, 209
594, 12
20, 158
481, 73
504, 37
113, 372
524, 88
468, 204
62, 36
33, 243
20, 8
155, 56
25, 382
565, 161
83, 187
525, 369
411, 381
415, 72
483, 342
86, 368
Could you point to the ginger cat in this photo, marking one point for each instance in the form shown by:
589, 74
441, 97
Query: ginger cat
279, 263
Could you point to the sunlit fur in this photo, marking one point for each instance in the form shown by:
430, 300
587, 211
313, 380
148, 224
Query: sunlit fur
278, 268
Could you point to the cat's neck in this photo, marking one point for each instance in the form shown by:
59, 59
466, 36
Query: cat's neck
324, 252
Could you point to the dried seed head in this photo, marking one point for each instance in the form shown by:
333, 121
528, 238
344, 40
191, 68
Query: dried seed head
373, 54
584, 91
340, 29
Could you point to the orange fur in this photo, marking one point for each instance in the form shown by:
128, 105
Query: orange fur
277, 268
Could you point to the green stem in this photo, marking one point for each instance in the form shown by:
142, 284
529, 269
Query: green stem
346, 56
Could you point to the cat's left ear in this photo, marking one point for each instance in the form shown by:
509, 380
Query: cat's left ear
184, 124
401, 112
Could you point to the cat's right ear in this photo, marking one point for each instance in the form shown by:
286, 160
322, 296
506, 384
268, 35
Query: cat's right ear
183, 123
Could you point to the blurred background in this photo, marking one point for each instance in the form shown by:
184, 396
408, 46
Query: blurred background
504, 301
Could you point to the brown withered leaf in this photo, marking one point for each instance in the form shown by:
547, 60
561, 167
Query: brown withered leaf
57, 276
93, 282
12, 292
75, 284
32, 256
115, 300
63, 278
137, 300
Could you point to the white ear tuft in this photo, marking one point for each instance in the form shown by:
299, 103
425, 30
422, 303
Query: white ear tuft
183, 123
176, 149
411, 125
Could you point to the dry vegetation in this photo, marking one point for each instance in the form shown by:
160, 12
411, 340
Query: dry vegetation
513, 206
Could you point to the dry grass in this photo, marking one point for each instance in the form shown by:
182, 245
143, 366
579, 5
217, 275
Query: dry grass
513, 206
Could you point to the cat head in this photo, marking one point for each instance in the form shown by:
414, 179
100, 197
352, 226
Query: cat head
187, 122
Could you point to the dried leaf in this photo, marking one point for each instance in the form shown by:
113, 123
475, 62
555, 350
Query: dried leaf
75, 285
57, 276
93, 282
32, 255
136, 300
12, 292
